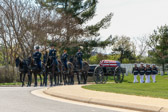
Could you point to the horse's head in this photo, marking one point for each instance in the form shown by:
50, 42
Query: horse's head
49, 61
30, 61
17, 61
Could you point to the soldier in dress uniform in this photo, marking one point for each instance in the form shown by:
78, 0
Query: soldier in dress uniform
79, 56
37, 57
142, 72
154, 73
53, 55
135, 71
148, 72
64, 59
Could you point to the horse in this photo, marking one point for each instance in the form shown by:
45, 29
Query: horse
34, 69
52, 70
23, 69
81, 73
68, 75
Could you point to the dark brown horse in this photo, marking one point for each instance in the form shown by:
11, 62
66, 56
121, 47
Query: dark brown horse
34, 69
82, 74
52, 70
68, 75
23, 69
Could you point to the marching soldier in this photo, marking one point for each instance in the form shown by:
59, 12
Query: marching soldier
53, 54
135, 71
64, 59
148, 72
141, 72
37, 57
154, 73
79, 56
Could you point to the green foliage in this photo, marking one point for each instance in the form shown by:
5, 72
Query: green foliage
80, 10
83, 10
125, 48
158, 42
158, 89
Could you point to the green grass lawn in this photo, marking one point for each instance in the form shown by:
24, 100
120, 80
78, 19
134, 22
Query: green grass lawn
10, 84
158, 89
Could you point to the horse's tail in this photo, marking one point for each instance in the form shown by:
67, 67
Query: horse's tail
85, 66
70, 66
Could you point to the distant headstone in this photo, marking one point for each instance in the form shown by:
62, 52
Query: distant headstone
161, 73
126, 74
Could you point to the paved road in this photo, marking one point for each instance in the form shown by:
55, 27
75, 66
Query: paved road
17, 99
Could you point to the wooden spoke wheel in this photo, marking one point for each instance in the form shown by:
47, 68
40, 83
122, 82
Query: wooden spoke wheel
118, 75
99, 76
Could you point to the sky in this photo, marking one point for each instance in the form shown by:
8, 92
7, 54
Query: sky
133, 18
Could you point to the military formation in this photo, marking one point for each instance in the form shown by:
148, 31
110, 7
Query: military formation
53, 54
147, 71
58, 69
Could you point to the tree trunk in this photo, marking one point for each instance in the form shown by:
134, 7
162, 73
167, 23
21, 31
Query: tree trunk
163, 68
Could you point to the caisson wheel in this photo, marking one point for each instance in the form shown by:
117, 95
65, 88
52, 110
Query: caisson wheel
99, 76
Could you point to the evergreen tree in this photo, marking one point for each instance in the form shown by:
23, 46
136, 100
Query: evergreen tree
158, 42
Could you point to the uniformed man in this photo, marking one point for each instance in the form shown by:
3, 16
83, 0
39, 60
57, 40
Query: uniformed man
148, 72
79, 56
53, 54
64, 59
135, 71
141, 72
37, 57
154, 73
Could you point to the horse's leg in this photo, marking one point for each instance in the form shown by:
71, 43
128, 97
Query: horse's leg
20, 77
40, 79
60, 78
84, 77
51, 79
30, 79
35, 78
23, 78
71, 78
78, 77
55, 81
45, 78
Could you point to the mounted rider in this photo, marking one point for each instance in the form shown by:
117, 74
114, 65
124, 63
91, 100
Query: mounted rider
53, 54
64, 59
79, 56
37, 57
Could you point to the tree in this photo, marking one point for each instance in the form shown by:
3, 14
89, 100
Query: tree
141, 43
73, 16
158, 44
125, 48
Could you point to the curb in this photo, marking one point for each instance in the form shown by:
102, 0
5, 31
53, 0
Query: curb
108, 103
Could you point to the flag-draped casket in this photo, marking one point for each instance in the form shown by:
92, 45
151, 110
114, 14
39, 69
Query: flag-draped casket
109, 63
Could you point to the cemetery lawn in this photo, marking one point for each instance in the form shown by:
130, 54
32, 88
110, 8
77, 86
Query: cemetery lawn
158, 89
10, 84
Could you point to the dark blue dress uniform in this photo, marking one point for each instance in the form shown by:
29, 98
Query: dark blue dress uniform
142, 70
148, 71
154, 70
53, 53
135, 70
79, 56
37, 58
64, 60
